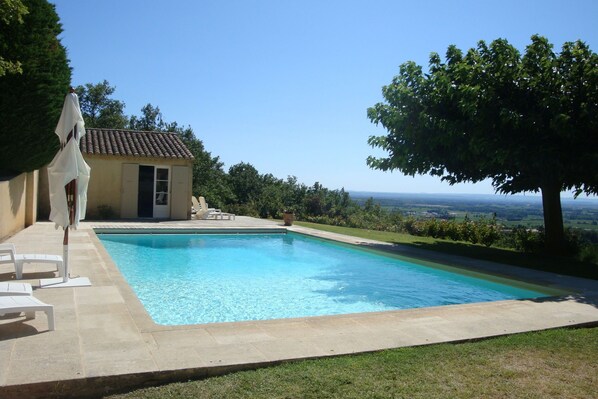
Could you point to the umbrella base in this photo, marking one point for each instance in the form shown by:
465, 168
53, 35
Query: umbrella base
58, 282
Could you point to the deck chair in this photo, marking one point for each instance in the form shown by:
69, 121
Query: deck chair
14, 289
8, 254
217, 213
195, 207
28, 304
204, 205
203, 211
204, 214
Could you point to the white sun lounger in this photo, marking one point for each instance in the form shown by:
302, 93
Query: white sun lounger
8, 254
195, 207
28, 304
14, 289
207, 212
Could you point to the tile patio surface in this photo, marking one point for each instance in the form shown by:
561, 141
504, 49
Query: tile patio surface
104, 339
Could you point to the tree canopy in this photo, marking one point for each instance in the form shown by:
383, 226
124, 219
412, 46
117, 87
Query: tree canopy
31, 102
528, 122
11, 12
98, 109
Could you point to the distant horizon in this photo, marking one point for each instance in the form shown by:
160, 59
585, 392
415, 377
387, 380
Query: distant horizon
564, 195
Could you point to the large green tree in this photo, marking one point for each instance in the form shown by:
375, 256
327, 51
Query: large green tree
245, 182
11, 12
149, 120
30, 102
528, 122
98, 108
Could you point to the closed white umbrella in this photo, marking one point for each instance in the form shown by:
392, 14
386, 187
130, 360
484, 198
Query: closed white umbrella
68, 174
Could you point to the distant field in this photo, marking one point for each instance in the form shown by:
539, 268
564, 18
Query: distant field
510, 210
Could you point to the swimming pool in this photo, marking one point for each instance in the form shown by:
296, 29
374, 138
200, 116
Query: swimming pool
206, 278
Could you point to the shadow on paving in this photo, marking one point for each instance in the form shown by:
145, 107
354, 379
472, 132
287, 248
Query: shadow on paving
591, 300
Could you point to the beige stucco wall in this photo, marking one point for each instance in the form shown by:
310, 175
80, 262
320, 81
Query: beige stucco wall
17, 203
105, 183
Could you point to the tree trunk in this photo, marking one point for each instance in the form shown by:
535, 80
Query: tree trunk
553, 219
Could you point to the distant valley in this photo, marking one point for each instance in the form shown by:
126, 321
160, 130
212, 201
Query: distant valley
510, 210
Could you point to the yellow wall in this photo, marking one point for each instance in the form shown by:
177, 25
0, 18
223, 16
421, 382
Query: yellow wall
17, 203
105, 183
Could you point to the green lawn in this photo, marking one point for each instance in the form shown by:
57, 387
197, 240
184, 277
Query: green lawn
557, 363
560, 265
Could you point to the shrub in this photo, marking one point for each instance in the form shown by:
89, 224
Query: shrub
431, 228
589, 253
453, 231
487, 232
526, 240
573, 241
413, 227
467, 230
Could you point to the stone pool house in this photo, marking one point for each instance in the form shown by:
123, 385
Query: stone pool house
134, 174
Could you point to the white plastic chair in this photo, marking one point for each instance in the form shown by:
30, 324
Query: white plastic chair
206, 211
8, 254
28, 304
195, 207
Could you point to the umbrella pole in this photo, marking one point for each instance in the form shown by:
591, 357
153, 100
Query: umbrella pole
65, 241
71, 199
65, 254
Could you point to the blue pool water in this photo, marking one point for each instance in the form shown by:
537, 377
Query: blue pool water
201, 278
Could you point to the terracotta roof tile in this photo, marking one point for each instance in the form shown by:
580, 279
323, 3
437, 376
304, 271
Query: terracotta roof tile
120, 142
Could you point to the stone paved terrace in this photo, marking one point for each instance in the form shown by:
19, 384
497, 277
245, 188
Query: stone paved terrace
104, 339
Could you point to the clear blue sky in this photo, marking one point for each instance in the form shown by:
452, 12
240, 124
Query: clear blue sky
285, 85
